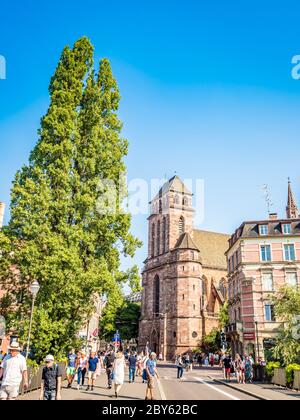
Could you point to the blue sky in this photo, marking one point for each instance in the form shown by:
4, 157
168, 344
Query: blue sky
206, 92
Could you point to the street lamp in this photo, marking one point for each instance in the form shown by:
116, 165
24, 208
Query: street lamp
256, 333
34, 289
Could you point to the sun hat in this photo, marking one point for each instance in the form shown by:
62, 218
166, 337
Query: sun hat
14, 346
49, 358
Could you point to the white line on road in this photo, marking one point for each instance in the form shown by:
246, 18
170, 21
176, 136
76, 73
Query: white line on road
217, 389
161, 391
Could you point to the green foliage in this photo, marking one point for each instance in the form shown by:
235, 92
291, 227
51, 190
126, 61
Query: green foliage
287, 308
56, 234
224, 315
270, 368
212, 342
290, 369
123, 318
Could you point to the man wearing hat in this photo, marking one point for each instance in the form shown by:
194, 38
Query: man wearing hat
13, 370
51, 380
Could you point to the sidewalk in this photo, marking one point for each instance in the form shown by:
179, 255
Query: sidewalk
266, 392
136, 391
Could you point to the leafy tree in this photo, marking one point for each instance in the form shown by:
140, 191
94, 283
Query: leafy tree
287, 309
211, 343
58, 234
224, 315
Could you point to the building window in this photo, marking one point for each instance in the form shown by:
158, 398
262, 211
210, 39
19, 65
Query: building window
270, 313
263, 230
194, 287
291, 279
286, 228
194, 307
289, 252
265, 253
176, 199
153, 241
182, 297
181, 226
156, 306
185, 201
158, 239
164, 235
267, 282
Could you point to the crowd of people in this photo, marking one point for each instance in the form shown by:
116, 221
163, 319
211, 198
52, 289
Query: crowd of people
81, 368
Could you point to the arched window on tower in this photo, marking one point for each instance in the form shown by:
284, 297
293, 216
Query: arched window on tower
158, 239
181, 225
156, 297
164, 234
185, 201
176, 199
153, 240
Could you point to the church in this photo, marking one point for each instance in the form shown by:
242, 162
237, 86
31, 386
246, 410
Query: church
184, 277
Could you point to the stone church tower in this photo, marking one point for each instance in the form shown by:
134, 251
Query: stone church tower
184, 278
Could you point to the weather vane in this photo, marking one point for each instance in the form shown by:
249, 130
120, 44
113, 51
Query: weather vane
268, 197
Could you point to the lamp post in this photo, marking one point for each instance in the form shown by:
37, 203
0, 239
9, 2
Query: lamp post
257, 340
34, 289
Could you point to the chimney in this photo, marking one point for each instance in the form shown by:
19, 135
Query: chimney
273, 216
2, 209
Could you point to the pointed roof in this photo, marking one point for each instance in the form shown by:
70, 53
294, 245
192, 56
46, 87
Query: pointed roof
292, 211
186, 242
174, 184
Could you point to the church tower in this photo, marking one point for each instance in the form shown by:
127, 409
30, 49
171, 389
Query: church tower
171, 304
292, 211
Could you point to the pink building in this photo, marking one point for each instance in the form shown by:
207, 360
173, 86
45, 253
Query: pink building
263, 256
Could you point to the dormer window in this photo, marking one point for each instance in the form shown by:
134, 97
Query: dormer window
286, 228
263, 230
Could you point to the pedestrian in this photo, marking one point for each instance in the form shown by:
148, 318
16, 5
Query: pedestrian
108, 365
12, 371
227, 363
71, 367
151, 373
119, 372
248, 370
206, 361
200, 360
132, 360
212, 361
144, 364
139, 364
92, 368
187, 362
51, 381
180, 366
81, 366
239, 368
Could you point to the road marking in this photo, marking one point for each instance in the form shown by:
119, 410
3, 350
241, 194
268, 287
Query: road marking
161, 391
217, 389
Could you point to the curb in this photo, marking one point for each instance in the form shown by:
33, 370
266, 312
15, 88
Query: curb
251, 394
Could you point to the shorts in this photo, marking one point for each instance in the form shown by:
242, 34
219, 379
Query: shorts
71, 371
9, 392
151, 382
92, 375
228, 370
50, 395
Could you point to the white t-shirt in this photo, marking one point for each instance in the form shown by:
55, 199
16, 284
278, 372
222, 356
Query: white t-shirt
13, 370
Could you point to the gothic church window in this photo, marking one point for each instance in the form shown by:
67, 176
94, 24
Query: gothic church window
156, 305
164, 235
158, 239
153, 240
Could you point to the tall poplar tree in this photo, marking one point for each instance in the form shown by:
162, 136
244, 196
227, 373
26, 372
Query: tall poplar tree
57, 234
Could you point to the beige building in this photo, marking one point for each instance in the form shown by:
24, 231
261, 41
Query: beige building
263, 256
184, 278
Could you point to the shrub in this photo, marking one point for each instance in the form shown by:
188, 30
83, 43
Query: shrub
270, 368
290, 369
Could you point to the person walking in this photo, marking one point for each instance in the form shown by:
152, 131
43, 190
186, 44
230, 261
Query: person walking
108, 365
51, 381
248, 370
151, 373
180, 366
227, 363
92, 368
119, 372
144, 363
132, 367
71, 367
81, 366
139, 364
12, 371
